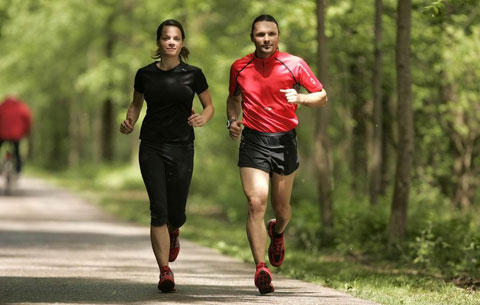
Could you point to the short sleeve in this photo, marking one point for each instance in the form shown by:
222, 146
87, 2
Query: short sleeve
139, 82
306, 78
233, 85
200, 82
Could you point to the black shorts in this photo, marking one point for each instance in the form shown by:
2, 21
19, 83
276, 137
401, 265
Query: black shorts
167, 172
269, 152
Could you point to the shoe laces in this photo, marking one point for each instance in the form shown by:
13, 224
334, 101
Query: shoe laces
174, 240
277, 243
165, 271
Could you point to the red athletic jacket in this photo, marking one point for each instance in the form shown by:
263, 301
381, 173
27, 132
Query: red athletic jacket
259, 80
15, 119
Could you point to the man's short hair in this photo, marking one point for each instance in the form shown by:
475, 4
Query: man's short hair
264, 17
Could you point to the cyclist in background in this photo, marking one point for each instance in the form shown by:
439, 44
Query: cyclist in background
15, 124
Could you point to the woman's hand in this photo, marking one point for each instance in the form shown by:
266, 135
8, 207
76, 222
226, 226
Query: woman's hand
126, 127
196, 120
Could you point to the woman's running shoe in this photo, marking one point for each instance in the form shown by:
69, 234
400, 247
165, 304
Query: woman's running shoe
166, 283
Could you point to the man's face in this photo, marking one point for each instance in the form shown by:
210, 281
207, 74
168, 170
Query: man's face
265, 38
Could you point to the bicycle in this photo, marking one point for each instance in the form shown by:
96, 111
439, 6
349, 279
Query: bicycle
8, 170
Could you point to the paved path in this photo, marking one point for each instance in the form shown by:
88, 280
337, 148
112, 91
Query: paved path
57, 248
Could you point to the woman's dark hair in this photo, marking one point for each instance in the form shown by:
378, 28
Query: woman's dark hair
184, 52
265, 17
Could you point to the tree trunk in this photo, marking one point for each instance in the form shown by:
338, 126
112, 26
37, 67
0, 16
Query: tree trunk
108, 115
58, 144
387, 137
359, 143
398, 220
322, 156
74, 134
462, 170
463, 146
376, 156
107, 131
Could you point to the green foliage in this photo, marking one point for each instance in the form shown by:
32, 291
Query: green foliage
437, 8
222, 189
54, 54
448, 246
461, 52
440, 239
361, 228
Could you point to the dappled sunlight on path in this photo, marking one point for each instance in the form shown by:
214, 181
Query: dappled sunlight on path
57, 248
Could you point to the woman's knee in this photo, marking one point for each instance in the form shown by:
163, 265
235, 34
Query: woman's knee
159, 217
176, 221
158, 221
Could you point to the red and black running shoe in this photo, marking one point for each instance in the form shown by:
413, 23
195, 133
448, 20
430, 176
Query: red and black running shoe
174, 246
166, 283
263, 279
276, 250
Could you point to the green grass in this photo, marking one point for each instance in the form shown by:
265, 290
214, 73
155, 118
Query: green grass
376, 280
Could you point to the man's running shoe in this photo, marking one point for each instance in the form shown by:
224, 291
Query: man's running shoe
263, 279
276, 250
166, 283
174, 246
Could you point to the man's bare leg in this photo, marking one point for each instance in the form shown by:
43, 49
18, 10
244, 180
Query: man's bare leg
255, 185
281, 192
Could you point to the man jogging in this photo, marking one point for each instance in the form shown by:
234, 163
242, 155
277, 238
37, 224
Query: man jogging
263, 90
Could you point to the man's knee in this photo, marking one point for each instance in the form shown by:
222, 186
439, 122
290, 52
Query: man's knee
284, 218
282, 210
256, 205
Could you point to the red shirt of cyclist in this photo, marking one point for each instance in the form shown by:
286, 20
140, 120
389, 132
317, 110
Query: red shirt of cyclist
15, 119
259, 80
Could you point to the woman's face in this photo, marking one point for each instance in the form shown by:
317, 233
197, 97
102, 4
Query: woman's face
265, 38
171, 41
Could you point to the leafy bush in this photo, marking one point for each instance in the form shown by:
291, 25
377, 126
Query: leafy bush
450, 247
361, 228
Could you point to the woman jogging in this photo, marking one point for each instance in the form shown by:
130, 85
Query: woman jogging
166, 149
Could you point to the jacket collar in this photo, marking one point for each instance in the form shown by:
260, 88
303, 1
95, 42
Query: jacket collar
266, 60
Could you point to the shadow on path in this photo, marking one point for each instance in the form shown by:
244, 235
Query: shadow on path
93, 290
56, 248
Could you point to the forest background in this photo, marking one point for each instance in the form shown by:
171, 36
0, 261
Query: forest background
389, 170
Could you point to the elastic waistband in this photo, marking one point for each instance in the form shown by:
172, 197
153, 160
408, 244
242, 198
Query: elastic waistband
167, 144
247, 130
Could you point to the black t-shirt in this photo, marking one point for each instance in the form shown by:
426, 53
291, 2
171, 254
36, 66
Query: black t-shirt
169, 96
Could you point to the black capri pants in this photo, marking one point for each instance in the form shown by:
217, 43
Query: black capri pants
167, 172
